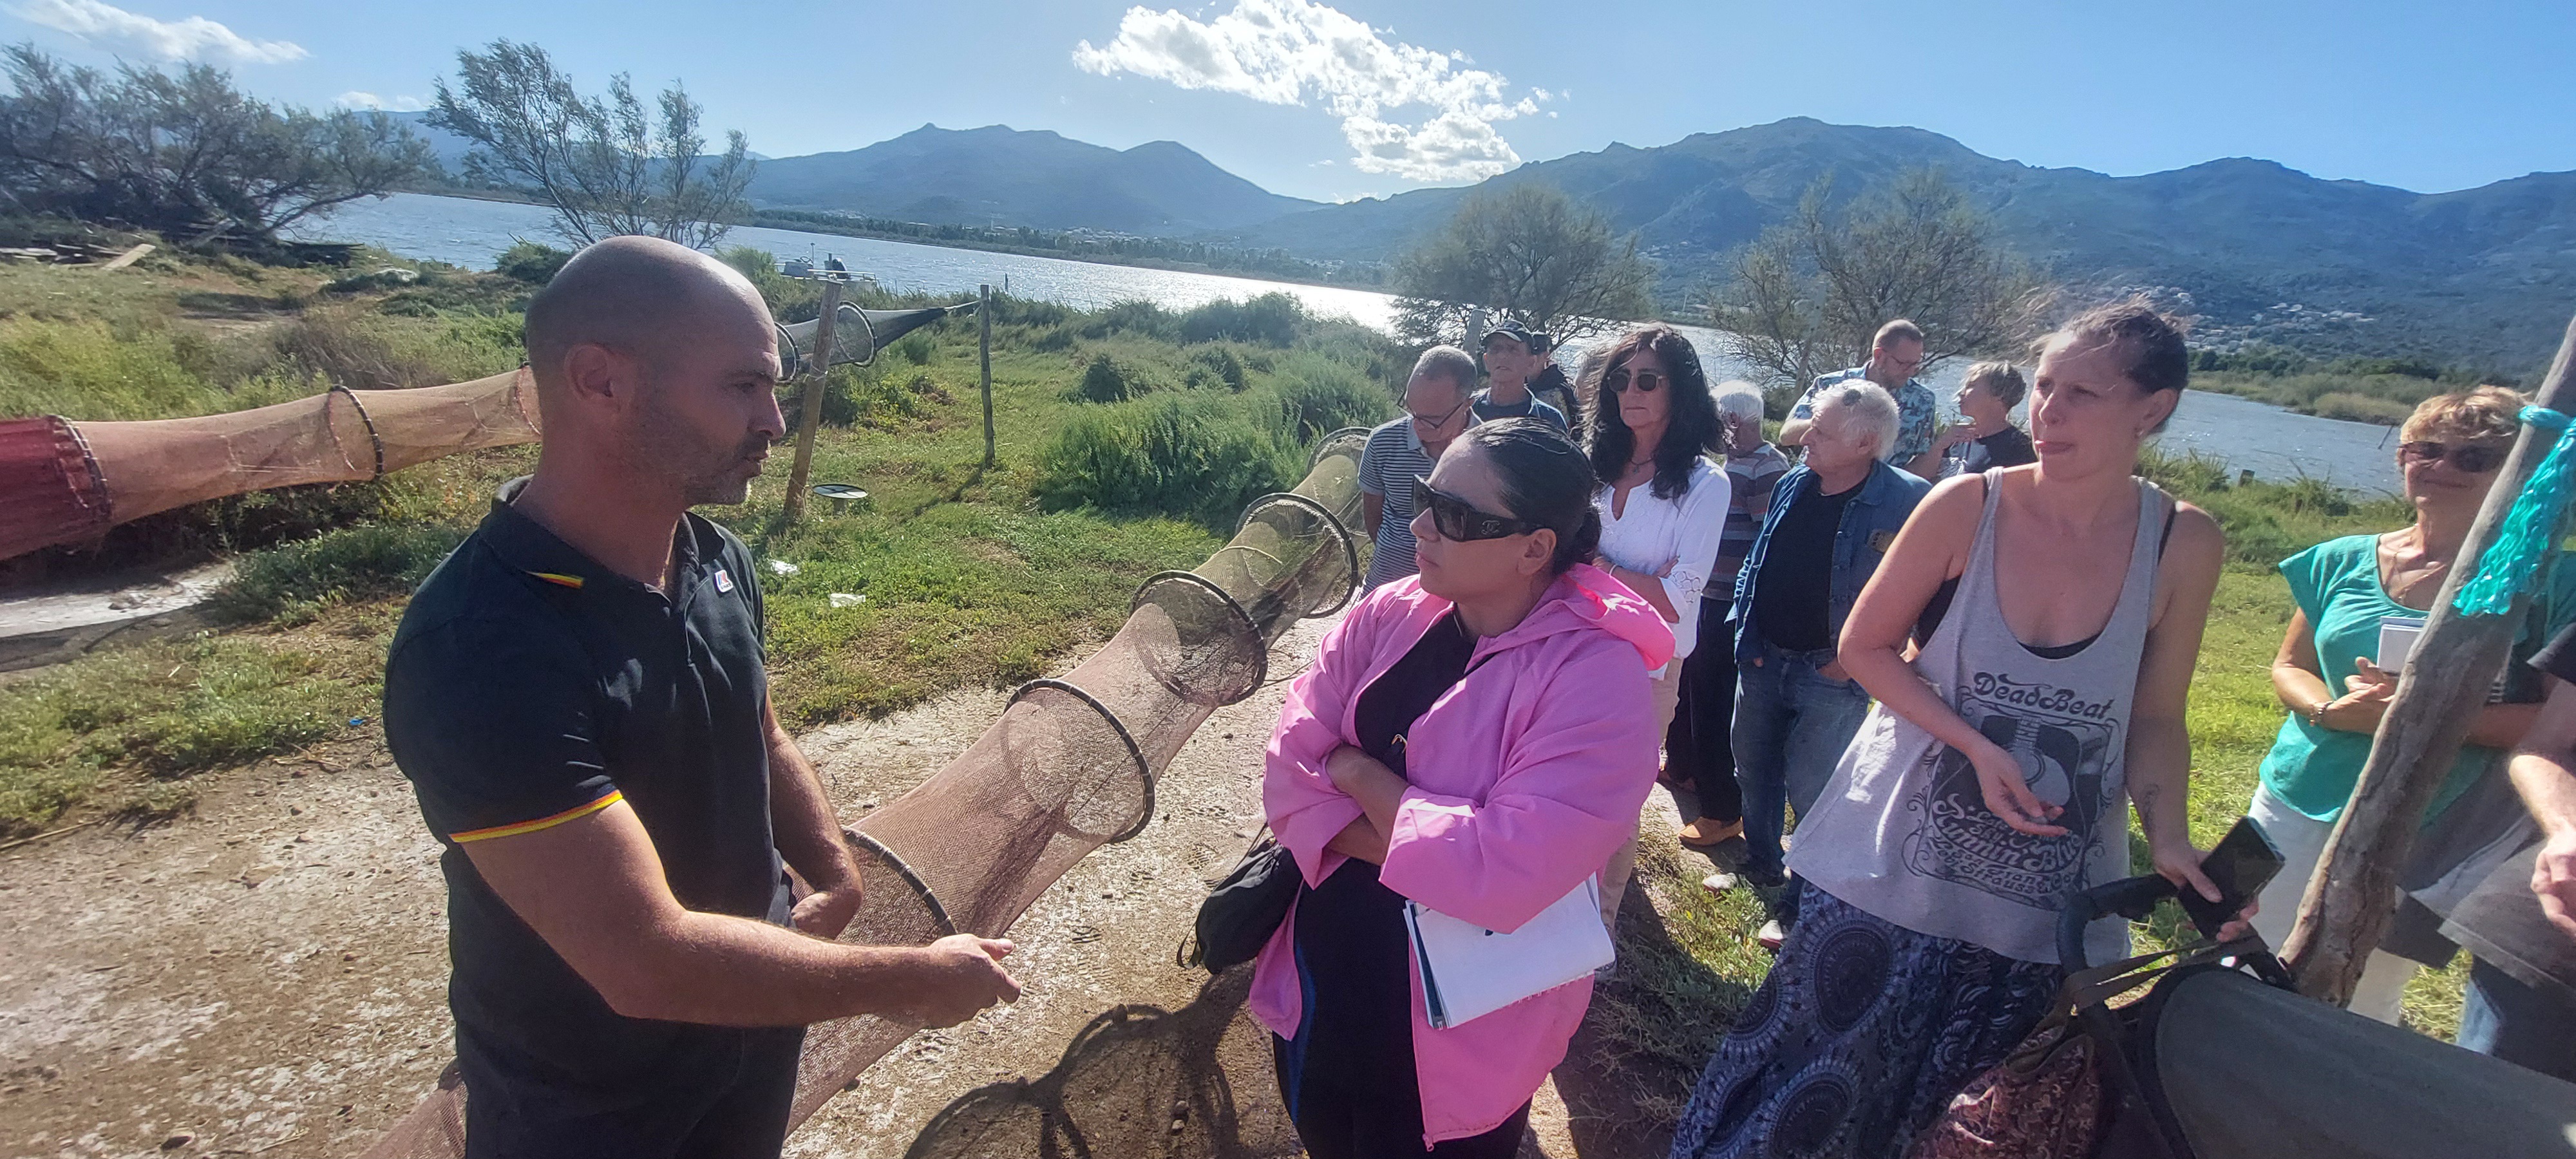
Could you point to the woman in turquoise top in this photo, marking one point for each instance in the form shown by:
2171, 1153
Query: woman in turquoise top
2329, 673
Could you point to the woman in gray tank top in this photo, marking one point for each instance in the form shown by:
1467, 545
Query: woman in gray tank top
1992, 780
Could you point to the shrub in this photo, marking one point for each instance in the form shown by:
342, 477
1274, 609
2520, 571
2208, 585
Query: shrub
531, 262
1273, 319
1222, 364
2361, 408
916, 347
1318, 396
293, 582
1198, 457
1109, 380
1141, 318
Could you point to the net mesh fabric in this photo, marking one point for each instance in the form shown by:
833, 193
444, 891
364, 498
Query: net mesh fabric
338, 436
1070, 765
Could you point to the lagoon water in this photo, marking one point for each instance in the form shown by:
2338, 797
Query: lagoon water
2271, 442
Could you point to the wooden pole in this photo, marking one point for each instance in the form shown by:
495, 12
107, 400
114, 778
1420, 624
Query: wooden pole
2353, 891
815, 381
984, 354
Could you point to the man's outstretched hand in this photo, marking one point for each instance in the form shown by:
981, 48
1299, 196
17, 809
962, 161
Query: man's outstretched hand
965, 976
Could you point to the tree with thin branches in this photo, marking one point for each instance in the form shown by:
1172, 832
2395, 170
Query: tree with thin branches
1528, 252
607, 165
184, 153
1806, 295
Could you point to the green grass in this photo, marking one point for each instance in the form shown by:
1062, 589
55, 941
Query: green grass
163, 711
969, 578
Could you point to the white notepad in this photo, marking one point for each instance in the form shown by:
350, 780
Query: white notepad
1468, 971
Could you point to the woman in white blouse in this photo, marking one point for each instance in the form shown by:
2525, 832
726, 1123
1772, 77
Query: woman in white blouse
1663, 502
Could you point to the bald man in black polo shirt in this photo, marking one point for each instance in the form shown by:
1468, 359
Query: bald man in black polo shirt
577, 695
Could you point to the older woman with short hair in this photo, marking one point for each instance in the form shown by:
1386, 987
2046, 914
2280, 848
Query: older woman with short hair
2338, 667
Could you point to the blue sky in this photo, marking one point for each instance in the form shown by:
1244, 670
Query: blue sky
1360, 97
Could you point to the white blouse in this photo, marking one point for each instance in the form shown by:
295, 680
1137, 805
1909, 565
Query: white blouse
1675, 538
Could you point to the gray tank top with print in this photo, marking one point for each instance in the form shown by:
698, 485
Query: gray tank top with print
1903, 833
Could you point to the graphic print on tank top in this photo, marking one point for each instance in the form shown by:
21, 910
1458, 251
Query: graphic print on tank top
2065, 746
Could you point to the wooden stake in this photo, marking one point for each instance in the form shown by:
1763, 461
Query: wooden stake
984, 351
820, 371
2353, 891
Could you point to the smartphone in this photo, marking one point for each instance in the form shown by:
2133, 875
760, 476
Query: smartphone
2242, 864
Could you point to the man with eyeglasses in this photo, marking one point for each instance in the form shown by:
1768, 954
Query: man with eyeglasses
1895, 357
1438, 407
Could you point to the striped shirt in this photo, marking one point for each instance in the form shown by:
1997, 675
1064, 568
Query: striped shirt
1749, 499
1392, 460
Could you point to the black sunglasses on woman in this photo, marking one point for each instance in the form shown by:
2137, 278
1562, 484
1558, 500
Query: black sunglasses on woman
1456, 519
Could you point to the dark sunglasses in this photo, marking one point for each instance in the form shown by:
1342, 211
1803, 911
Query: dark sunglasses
2469, 458
1455, 518
1647, 381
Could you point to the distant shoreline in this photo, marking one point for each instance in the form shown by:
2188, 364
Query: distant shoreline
765, 220
761, 220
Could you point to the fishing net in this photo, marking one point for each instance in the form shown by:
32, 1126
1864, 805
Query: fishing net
107, 473
857, 334
68, 481
1071, 764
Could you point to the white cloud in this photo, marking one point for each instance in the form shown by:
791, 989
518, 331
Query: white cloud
1291, 52
353, 99
195, 38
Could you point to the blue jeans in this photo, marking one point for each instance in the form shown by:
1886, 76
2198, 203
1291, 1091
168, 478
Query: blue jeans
2520, 1024
1791, 726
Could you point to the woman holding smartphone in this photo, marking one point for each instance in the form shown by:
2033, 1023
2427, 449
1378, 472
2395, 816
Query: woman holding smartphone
2359, 599
1992, 782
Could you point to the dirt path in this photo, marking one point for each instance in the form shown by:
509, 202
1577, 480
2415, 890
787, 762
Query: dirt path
267, 977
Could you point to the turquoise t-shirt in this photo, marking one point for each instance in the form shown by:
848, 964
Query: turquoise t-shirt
2336, 583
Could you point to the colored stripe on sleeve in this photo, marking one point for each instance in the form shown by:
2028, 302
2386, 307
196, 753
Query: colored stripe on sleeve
558, 578
576, 812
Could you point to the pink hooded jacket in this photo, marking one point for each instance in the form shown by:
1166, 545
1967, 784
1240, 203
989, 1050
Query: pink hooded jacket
1527, 775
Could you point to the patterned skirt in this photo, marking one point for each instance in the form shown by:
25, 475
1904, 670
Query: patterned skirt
1859, 1037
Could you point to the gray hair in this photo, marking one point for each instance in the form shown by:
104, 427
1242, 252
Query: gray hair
1450, 363
1739, 399
1866, 402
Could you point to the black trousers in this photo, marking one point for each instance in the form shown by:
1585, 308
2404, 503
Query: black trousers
726, 1096
1697, 750
1339, 1120
1348, 1077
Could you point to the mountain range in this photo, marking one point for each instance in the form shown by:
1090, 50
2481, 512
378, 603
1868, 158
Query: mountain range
1000, 176
2482, 277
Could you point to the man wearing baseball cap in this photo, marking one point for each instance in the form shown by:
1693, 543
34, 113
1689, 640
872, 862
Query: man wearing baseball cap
1512, 353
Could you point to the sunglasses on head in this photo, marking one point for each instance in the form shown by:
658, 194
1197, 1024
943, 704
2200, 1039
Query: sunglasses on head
2470, 458
1455, 518
1646, 381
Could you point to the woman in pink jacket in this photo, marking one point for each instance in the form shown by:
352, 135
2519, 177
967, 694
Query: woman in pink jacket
1477, 738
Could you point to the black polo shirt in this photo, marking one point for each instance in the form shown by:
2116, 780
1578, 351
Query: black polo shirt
529, 685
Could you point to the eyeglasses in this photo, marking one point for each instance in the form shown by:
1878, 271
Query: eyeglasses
1455, 518
1647, 381
1423, 420
2470, 458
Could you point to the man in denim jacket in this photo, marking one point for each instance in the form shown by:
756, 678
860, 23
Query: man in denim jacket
1832, 519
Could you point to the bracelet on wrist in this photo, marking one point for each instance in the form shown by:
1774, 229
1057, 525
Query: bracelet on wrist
2317, 715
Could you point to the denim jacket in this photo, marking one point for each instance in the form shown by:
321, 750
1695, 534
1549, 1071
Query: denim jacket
1870, 523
